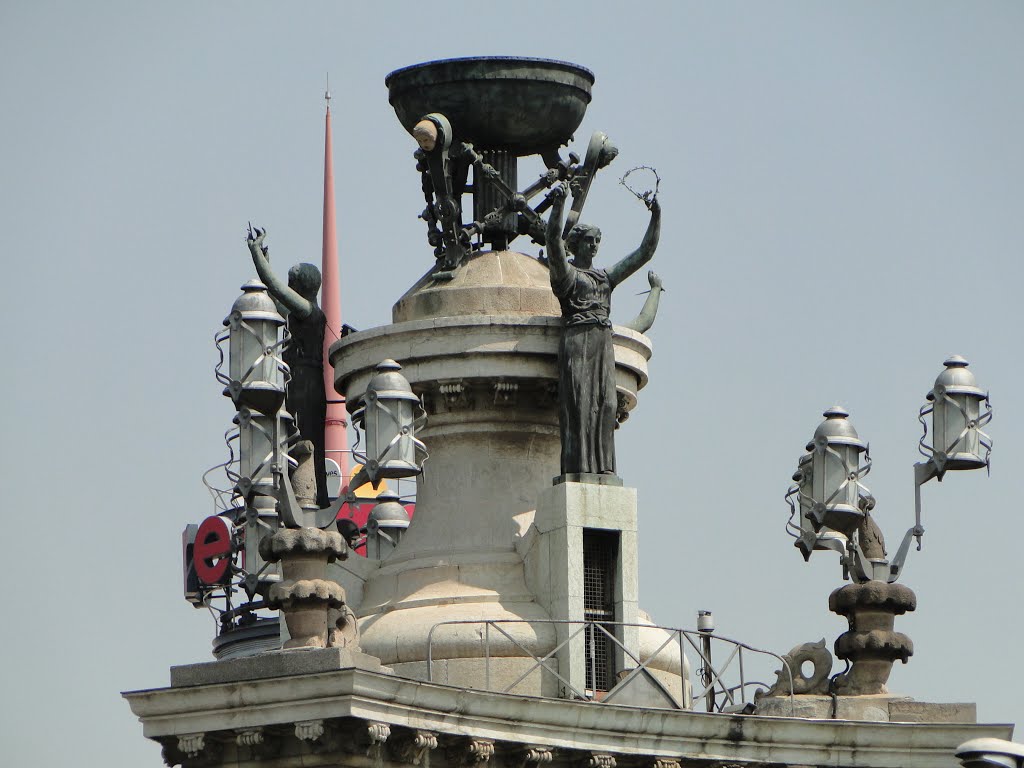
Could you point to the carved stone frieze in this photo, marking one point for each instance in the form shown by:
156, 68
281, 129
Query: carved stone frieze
506, 393
250, 737
664, 762
191, 749
378, 733
258, 741
455, 394
191, 745
309, 730
477, 752
414, 745
601, 760
536, 756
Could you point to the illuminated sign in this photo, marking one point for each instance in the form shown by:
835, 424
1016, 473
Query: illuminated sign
211, 551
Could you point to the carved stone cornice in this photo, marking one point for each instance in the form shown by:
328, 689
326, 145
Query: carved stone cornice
664, 762
600, 760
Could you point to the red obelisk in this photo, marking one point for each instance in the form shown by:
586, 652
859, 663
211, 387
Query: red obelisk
335, 439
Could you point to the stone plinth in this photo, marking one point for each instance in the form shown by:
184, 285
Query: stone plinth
871, 644
555, 564
481, 350
305, 661
304, 595
879, 708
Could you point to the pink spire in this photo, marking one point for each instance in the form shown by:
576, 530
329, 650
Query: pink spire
335, 439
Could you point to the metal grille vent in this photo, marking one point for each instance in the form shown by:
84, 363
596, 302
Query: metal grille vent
600, 554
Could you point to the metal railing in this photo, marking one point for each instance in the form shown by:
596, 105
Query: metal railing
717, 694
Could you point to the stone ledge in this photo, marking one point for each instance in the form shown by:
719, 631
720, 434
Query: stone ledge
299, 661
588, 477
926, 712
879, 708
630, 733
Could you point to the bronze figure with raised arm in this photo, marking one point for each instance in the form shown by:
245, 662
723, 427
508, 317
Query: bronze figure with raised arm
586, 359
306, 393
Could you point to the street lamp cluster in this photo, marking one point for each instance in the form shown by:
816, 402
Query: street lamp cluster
829, 498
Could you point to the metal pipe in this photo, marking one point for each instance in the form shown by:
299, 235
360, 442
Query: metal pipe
709, 697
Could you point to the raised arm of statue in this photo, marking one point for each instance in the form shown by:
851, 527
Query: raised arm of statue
557, 262
645, 319
643, 254
279, 290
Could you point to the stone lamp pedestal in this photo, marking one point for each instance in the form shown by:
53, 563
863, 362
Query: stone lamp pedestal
304, 595
871, 645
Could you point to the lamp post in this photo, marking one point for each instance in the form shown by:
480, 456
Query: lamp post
304, 548
835, 505
834, 512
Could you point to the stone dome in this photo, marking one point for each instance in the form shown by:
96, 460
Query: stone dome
488, 283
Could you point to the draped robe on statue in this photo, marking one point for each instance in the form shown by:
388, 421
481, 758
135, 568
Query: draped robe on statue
586, 372
306, 393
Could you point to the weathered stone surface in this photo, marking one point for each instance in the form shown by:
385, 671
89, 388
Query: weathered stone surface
815, 683
894, 598
872, 708
908, 711
871, 644
875, 708
488, 283
304, 541
284, 594
273, 664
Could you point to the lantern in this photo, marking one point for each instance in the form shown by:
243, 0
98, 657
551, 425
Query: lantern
256, 374
389, 414
835, 487
955, 403
385, 526
810, 536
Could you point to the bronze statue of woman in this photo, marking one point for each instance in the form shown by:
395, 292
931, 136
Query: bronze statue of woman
306, 395
586, 360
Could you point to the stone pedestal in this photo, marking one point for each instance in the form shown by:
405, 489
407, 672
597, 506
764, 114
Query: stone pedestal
481, 350
305, 596
871, 644
555, 565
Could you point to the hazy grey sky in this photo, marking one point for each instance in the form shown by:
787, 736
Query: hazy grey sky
843, 190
